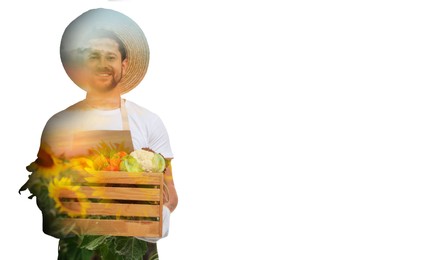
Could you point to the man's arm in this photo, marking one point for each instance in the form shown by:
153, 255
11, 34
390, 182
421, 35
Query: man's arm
173, 196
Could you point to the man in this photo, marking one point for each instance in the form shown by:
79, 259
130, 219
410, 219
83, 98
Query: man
100, 57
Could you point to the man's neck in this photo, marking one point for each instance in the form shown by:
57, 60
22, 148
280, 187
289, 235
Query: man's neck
106, 100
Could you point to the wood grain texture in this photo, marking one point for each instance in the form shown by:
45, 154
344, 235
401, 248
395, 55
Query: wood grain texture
116, 193
120, 177
113, 227
115, 209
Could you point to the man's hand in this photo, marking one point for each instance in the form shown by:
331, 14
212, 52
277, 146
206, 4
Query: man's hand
173, 196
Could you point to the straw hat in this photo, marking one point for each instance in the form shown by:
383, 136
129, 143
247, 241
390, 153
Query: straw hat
123, 27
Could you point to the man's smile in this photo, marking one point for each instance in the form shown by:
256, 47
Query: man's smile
103, 74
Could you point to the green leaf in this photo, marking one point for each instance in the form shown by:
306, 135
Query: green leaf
107, 251
25, 186
93, 242
130, 248
69, 249
86, 254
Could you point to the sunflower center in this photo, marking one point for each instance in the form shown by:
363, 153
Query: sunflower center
44, 159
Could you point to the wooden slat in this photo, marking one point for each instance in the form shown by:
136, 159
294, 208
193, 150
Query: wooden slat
115, 209
120, 177
114, 227
117, 193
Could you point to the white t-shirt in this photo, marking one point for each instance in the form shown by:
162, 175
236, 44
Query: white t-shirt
147, 129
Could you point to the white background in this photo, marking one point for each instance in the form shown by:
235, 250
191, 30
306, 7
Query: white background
298, 127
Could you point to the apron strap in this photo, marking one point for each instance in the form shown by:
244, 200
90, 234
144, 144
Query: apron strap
125, 119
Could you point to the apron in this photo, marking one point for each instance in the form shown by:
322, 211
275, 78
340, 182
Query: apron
84, 141
81, 145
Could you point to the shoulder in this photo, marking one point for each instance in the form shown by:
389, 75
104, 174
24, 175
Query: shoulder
141, 112
63, 118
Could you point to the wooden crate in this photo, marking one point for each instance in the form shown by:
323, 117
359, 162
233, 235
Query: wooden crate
118, 204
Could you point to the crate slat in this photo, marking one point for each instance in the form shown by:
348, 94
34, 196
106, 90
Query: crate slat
120, 178
115, 193
115, 209
113, 227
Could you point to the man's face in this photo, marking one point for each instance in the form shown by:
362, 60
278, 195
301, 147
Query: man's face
103, 64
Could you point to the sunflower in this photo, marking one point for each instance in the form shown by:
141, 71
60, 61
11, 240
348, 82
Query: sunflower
63, 188
47, 165
81, 164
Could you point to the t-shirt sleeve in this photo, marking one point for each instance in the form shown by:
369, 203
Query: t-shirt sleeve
159, 139
56, 135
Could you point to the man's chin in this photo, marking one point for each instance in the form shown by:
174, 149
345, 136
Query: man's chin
102, 88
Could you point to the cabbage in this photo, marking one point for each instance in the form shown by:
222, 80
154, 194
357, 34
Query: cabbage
159, 163
130, 164
149, 161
